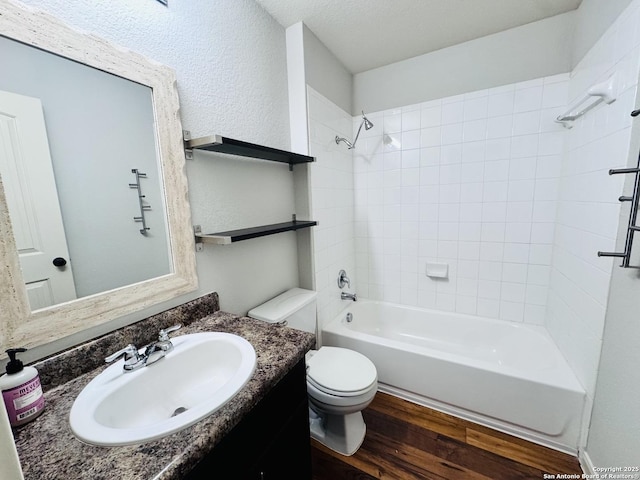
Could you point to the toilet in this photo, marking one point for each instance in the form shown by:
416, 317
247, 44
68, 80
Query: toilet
340, 382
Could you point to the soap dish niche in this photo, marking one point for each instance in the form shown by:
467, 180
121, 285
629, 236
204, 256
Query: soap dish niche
437, 270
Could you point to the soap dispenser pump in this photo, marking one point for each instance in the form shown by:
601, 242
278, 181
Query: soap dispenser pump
21, 390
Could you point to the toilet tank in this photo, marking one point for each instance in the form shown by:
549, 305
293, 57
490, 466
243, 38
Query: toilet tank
296, 307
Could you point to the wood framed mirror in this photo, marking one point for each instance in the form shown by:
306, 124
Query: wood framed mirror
23, 320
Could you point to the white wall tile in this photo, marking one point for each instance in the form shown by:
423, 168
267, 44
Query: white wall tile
469, 180
452, 113
526, 123
578, 282
450, 134
393, 122
411, 120
555, 94
475, 108
501, 104
475, 130
498, 149
431, 116
499, 127
411, 139
527, 99
488, 308
512, 311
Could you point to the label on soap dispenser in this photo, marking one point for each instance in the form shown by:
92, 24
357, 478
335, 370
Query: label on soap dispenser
24, 401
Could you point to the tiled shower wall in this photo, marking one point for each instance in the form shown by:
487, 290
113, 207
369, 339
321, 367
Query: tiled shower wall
588, 207
470, 181
331, 201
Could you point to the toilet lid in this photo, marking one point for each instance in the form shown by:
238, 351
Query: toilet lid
340, 371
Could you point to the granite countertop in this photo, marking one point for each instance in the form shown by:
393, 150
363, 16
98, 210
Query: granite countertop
49, 450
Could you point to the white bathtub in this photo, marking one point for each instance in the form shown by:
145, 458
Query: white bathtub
508, 376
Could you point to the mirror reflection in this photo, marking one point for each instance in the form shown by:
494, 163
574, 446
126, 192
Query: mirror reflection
71, 141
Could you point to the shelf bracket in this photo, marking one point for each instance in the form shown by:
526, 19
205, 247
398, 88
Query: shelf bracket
188, 151
197, 232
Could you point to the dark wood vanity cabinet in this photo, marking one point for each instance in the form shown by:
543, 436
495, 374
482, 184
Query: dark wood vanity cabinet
271, 442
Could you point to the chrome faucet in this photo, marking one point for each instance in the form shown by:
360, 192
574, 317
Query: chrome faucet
349, 296
153, 352
132, 359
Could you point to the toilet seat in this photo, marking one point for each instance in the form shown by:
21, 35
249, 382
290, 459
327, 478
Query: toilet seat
341, 372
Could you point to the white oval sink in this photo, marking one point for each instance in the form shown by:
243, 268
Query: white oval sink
202, 373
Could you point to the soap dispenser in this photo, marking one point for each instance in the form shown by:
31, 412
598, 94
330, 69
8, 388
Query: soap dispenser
21, 390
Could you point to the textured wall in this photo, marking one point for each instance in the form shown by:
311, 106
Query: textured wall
230, 62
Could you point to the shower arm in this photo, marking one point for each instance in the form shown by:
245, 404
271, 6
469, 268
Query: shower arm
349, 144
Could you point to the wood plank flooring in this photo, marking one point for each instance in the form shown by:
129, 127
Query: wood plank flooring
406, 441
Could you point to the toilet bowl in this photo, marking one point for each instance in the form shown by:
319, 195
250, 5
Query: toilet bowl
340, 382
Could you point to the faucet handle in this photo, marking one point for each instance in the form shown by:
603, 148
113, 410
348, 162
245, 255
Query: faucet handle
343, 279
132, 359
163, 335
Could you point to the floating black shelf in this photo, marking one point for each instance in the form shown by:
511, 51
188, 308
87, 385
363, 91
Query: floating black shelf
217, 143
231, 236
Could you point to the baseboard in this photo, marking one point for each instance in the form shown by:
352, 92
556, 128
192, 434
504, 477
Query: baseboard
585, 463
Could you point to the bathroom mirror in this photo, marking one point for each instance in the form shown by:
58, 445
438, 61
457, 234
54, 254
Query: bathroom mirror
133, 102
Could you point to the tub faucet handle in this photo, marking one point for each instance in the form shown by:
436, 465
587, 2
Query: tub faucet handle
343, 279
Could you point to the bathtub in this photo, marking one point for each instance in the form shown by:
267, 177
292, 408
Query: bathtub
507, 376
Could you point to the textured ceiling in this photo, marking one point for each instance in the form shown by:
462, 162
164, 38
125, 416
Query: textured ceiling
372, 33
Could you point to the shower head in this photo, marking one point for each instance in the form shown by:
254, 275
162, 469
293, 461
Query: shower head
368, 125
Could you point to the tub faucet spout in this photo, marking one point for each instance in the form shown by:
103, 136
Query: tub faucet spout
349, 296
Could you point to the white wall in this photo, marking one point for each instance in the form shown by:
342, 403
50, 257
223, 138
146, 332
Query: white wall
534, 50
470, 181
588, 207
593, 18
332, 203
615, 421
229, 57
320, 96
9, 462
613, 435
325, 73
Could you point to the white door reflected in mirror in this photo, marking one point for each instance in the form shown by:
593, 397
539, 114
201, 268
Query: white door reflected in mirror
32, 197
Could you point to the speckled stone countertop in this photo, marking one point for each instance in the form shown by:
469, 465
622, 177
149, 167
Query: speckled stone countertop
49, 450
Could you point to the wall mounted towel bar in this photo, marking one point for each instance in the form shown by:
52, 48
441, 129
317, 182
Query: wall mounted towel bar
598, 93
633, 214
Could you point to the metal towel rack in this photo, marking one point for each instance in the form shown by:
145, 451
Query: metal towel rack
633, 214
604, 92
143, 207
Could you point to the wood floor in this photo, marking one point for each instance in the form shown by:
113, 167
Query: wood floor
407, 441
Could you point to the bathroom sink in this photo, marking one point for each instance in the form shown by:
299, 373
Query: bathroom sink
202, 373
